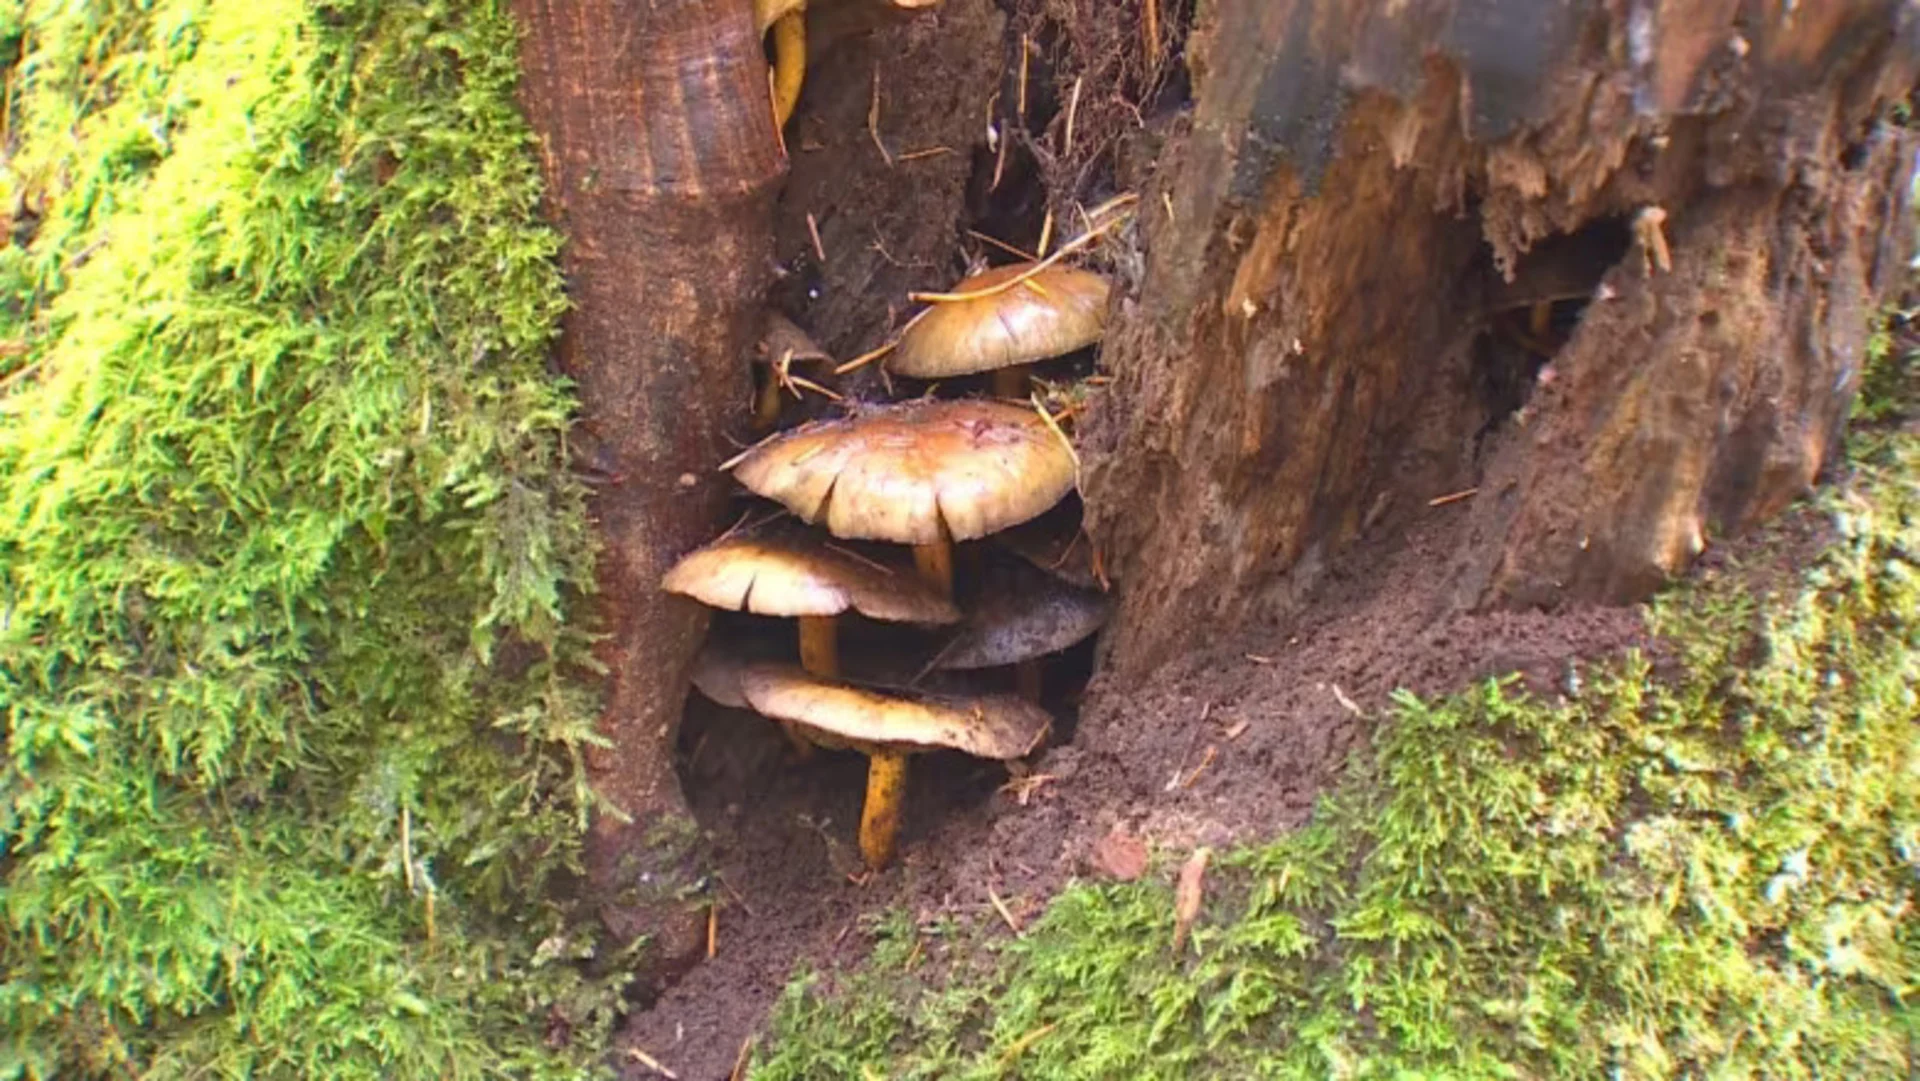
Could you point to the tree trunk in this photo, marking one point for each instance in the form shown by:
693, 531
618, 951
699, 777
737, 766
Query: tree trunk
662, 164
1606, 265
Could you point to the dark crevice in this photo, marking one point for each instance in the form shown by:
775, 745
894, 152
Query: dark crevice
1529, 318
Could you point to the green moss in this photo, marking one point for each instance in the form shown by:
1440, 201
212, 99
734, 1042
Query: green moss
1890, 379
1708, 872
286, 541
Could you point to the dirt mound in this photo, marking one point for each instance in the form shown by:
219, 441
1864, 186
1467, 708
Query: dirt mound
1232, 742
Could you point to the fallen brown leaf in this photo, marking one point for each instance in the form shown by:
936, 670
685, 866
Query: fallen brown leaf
1187, 894
1120, 855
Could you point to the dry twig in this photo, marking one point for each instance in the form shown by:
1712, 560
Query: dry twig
813, 230
1073, 108
651, 1063
873, 118
1453, 497
1005, 912
1071, 246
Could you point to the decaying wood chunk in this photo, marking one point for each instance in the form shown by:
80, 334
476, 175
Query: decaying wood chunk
1375, 208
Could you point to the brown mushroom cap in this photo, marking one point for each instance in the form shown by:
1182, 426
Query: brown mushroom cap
716, 674
790, 575
900, 473
782, 337
1057, 547
1054, 312
986, 726
1023, 613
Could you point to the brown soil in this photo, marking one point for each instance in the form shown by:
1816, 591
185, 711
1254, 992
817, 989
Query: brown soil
1232, 742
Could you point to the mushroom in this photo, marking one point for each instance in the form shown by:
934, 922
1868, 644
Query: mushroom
785, 573
1020, 616
787, 19
1003, 329
1056, 543
782, 343
886, 728
924, 473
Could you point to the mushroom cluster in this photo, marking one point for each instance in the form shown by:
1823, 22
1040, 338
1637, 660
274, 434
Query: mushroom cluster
928, 474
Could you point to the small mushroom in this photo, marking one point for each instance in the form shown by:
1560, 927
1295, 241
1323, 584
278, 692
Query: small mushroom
787, 19
1021, 615
1054, 312
716, 674
782, 344
924, 473
1056, 544
785, 573
888, 729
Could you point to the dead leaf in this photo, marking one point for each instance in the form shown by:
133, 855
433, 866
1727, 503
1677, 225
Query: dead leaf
1120, 855
1187, 894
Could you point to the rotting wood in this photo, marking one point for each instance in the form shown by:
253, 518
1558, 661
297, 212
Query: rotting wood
1351, 196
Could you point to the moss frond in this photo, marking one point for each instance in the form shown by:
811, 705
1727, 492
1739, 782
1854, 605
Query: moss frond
287, 546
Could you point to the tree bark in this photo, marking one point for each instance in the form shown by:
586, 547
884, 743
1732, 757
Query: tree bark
662, 163
1377, 210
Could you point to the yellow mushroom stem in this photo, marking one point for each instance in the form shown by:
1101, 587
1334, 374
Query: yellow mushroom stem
1030, 677
819, 655
880, 817
789, 64
935, 563
766, 405
1011, 383
1540, 319
820, 646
